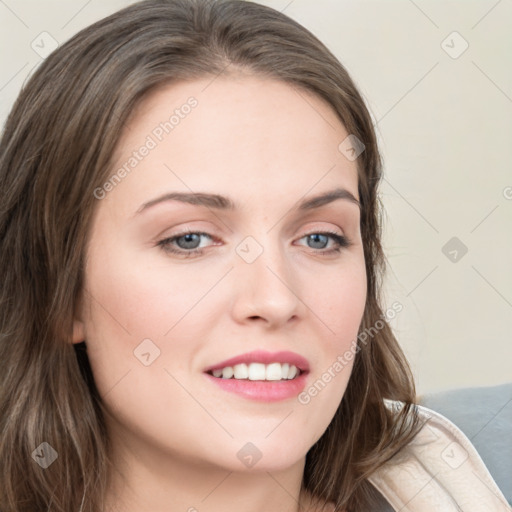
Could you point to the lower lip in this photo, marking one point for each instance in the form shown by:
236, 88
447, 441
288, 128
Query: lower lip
262, 390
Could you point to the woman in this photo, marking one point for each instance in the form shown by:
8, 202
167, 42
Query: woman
191, 259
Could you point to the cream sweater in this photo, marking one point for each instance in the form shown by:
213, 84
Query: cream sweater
440, 470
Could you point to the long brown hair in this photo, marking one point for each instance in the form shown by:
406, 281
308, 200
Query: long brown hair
56, 148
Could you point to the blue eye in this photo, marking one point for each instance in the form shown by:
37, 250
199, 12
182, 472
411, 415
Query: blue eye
187, 244
322, 238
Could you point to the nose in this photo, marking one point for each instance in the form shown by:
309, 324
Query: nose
267, 290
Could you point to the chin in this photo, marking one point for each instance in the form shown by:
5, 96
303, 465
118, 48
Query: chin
264, 455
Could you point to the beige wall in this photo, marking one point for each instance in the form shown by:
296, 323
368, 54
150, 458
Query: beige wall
445, 126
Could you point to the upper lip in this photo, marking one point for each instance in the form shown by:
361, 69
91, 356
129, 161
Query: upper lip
262, 356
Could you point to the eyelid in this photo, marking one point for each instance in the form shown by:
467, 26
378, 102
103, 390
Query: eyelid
209, 232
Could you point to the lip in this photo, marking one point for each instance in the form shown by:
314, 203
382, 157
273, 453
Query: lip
262, 390
263, 356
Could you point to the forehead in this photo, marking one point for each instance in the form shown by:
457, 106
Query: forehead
250, 135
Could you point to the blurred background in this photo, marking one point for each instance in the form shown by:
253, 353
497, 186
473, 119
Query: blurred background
437, 79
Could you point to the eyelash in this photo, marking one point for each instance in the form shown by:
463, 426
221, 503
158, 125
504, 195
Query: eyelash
342, 243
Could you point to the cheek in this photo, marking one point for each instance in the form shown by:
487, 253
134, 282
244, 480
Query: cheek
134, 299
139, 301
340, 307
341, 310
131, 308
340, 302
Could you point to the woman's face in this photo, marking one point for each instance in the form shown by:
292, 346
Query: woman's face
155, 320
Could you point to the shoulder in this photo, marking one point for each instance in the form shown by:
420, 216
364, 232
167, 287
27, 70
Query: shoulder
438, 470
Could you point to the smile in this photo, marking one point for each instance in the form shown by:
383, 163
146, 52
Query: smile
258, 371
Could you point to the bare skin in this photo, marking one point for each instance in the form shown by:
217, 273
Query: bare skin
176, 435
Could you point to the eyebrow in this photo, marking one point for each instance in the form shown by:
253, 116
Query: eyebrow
219, 202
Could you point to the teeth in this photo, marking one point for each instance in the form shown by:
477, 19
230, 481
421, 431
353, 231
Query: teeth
227, 373
258, 371
292, 372
273, 371
240, 371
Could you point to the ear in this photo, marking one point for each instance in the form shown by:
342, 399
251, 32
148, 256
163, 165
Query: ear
78, 331
78, 325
